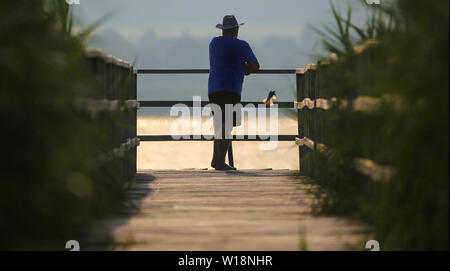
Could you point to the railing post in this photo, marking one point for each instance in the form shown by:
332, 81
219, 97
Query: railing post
306, 88
134, 120
122, 95
300, 86
312, 119
319, 135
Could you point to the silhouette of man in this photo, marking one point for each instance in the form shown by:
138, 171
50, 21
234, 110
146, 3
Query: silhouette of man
230, 59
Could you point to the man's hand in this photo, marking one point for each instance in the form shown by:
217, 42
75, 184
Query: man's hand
247, 71
250, 68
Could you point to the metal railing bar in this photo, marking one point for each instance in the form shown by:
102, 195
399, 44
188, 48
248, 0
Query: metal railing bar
203, 103
202, 138
200, 71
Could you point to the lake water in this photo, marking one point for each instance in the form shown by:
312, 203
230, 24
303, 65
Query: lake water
197, 154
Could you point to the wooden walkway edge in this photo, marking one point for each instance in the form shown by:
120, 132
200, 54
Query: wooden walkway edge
244, 210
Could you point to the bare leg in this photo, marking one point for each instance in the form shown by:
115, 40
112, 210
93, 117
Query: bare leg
215, 153
221, 146
220, 164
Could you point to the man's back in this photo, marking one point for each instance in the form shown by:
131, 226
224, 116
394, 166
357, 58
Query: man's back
227, 56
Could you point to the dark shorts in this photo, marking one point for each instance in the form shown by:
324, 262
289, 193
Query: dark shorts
221, 98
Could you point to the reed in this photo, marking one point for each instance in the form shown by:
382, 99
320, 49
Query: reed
400, 56
52, 183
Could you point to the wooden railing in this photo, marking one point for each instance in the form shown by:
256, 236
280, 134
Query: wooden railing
203, 103
119, 92
313, 123
115, 104
306, 91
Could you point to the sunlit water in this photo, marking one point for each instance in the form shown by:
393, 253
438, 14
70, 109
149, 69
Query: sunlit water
197, 154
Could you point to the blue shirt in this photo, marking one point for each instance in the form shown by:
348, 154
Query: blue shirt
226, 62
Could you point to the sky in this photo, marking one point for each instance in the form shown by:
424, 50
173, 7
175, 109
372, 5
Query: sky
176, 34
172, 18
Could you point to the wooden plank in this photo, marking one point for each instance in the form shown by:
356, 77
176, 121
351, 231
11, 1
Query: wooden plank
236, 210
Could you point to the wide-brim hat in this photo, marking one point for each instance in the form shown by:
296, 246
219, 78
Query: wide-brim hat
228, 22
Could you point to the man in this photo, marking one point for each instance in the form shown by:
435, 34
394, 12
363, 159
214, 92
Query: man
230, 59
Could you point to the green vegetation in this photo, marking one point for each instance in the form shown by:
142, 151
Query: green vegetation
401, 57
52, 183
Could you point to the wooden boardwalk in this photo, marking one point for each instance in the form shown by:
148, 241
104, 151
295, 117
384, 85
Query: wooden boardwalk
242, 210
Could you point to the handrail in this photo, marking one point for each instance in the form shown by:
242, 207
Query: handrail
108, 69
198, 71
204, 103
113, 104
210, 137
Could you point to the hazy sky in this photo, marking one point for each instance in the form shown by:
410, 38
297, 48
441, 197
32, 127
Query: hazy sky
176, 34
172, 18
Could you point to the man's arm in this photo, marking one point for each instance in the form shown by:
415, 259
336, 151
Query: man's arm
251, 68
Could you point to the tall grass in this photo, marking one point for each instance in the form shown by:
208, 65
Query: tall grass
400, 56
51, 183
